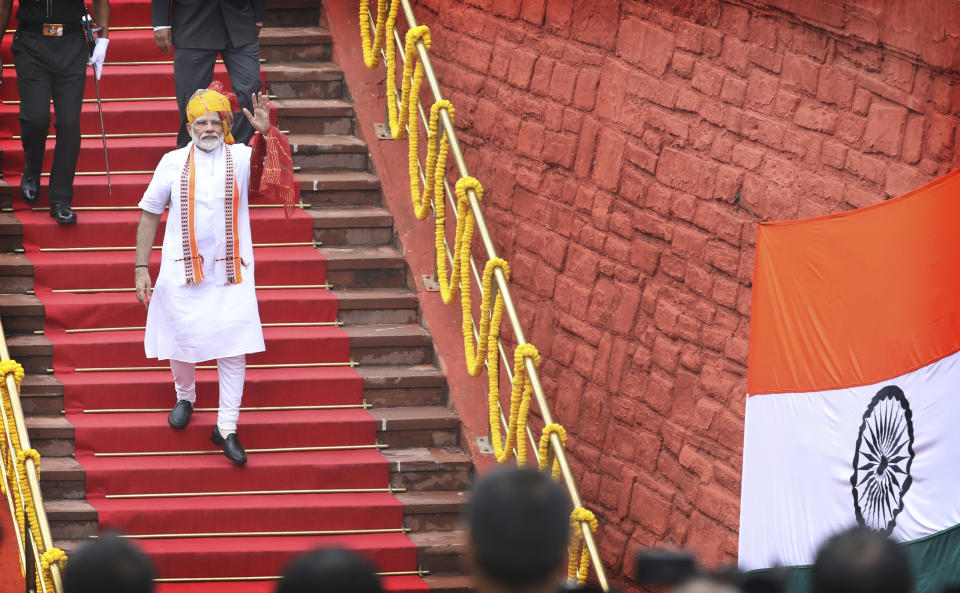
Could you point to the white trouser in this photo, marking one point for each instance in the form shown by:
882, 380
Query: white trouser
231, 371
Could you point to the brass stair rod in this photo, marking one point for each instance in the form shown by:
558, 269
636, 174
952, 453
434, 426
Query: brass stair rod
119, 99
387, 489
127, 135
13, 512
111, 28
292, 365
377, 446
261, 533
502, 284
93, 290
94, 173
301, 205
87, 330
397, 573
33, 479
242, 409
141, 63
134, 248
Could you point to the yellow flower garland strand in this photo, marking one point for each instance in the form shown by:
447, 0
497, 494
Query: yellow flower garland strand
546, 454
437, 148
49, 558
403, 119
371, 49
17, 475
578, 567
520, 397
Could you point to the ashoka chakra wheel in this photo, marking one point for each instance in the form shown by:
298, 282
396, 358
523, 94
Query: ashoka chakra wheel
882, 459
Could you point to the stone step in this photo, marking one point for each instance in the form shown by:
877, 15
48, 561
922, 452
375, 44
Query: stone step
339, 188
430, 469
375, 266
292, 13
438, 552
291, 80
16, 273
384, 386
433, 511
449, 583
71, 519
315, 116
11, 232
423, 511
393, 344
24, 313
363, 267
62, 478
441, 551
328, 152
21, 313
338, 227
291, 44
377, 306
415, 426
415, 469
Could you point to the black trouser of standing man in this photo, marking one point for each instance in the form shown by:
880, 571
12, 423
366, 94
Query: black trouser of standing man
50, 67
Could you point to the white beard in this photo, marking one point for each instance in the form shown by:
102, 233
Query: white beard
208, 144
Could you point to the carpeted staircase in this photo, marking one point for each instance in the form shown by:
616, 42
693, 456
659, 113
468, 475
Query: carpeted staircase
103, 433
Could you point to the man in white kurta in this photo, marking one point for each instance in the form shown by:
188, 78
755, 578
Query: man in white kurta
206, 311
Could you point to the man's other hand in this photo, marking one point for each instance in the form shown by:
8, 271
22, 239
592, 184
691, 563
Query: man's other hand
164, 39
144, 287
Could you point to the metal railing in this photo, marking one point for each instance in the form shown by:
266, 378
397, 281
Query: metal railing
501, 281
30, 551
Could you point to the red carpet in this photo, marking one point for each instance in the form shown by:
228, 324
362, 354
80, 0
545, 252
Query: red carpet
328, 440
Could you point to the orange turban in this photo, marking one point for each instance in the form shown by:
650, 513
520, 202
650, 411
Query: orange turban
212, 100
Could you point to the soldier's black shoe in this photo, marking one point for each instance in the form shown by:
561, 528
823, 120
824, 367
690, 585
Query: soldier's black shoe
63, 214
180, 414
29, 190
231, 446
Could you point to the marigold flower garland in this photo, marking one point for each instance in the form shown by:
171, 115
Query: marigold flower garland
402, 118
520, 397
371, 49
578, 567
546, 454
17, 481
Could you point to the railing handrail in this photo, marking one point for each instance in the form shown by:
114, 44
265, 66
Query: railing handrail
33, 477
502, 284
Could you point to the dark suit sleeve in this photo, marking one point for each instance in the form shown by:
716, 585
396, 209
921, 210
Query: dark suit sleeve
161, 12
259, 10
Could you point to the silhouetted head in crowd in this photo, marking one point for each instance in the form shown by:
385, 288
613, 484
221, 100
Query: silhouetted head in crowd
861, 561
704, 584
330, 570
108, 564
518, 522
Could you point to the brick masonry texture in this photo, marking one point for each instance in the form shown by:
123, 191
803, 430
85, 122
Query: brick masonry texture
612, 138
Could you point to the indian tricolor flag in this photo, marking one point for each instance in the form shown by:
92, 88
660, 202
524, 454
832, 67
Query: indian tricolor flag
853, 413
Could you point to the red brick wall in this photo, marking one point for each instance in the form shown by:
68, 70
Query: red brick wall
612, 138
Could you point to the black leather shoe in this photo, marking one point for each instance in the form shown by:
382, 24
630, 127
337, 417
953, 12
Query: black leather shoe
63, 214
180, 414
231, 446
29, 190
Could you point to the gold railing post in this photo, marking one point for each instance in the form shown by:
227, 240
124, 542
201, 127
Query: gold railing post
503, 287
32, 473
